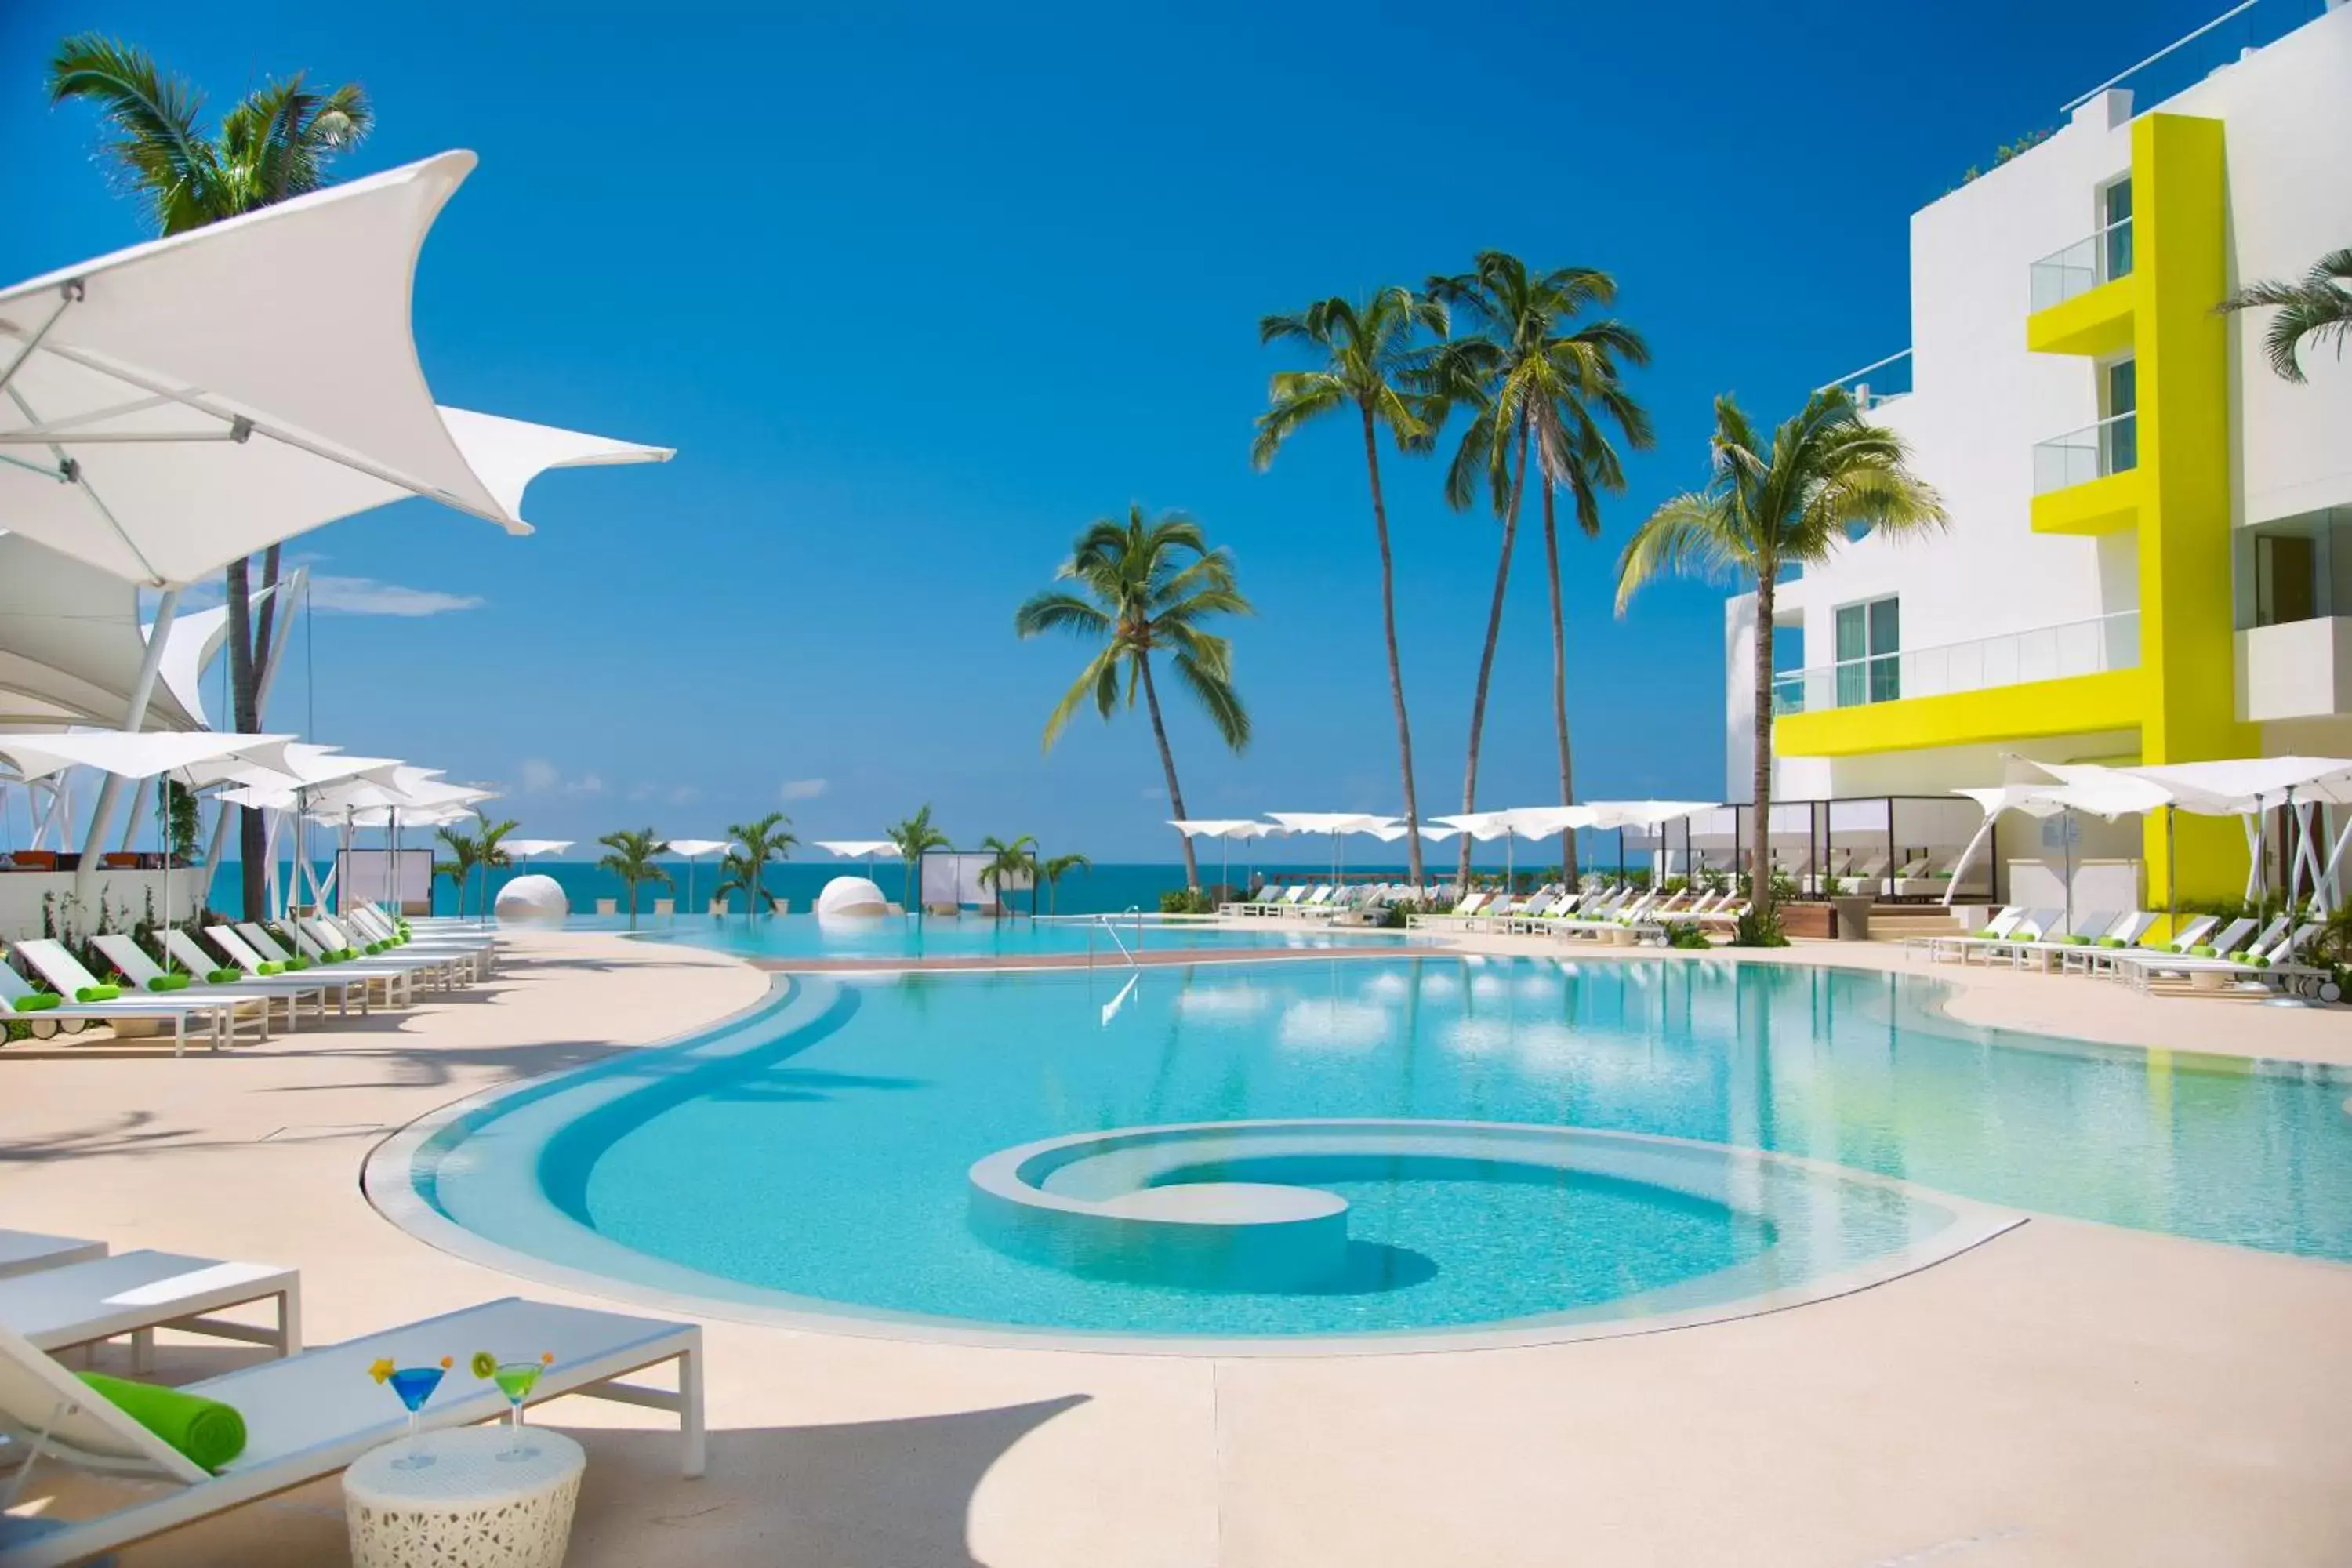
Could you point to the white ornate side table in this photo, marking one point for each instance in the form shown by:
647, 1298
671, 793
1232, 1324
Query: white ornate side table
468, 1508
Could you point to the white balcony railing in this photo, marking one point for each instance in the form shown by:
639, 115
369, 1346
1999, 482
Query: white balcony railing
2081, 266
2013, 659
2110, 446
1880, 381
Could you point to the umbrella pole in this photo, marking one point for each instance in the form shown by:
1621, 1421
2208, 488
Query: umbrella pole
2171, 873
2066, 847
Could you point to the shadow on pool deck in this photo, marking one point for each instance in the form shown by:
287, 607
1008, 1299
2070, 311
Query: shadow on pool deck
869, 1494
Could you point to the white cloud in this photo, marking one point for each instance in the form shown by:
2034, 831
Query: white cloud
801, 789
587, 784
536, 776
369, 596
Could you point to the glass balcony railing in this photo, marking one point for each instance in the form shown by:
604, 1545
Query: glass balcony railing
2081, 266
1881, 381
2013, 659
2110, 446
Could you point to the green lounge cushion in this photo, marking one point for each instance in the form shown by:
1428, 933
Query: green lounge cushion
97, 992
208, 1432
224, 976
174, 982
2201, 951
268, 968
39, 1002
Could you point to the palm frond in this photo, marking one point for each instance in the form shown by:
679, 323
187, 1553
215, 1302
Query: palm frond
1214, 692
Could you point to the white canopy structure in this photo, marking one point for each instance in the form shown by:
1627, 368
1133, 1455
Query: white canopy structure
71, 645
852, 848
187, 402
527, 848
135, 756
1226, 830
2251, 788
694, 849
1335, 823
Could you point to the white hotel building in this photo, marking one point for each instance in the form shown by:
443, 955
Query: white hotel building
2150, 550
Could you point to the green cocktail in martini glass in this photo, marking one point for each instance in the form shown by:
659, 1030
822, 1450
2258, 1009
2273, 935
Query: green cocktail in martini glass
516, 1379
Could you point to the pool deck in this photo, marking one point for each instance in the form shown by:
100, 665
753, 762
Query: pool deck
2066, 1393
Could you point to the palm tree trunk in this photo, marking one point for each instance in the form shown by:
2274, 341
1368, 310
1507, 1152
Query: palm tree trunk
1487, 655
1759, 864
1168, 763
1396, 667
252, 849
1560, 688
633, 905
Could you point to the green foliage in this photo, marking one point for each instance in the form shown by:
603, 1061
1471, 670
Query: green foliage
2008, 150
1688, 934
1051, 873
631, 860
1008, 864
1760, 927
1187, 901
2316, 306
176, 819
745, 864
915, 838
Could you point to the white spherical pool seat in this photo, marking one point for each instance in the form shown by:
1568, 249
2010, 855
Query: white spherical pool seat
851, 897
533, 900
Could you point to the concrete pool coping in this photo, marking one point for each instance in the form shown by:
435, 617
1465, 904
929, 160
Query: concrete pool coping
523, 1118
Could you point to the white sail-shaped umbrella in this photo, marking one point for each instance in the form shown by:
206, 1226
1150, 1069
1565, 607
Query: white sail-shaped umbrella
1335, 823
693, 849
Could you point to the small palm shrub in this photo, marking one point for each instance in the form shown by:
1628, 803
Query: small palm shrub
1759, 928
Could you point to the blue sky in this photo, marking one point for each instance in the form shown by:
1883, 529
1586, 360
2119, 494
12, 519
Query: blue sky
917, 292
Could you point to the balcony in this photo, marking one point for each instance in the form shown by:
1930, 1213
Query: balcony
2080, 676
2296, 669
2081, 298
2087, 481
2013, 659
2063, 275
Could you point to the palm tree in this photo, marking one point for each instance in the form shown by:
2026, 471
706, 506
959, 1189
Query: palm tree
491, 856
278, 142
1768, 507
1542, 384
1051, 873
1147, 586
915, 838
2316, 307
1013, 862
631, 860
746, 864
464, 854
1372, 358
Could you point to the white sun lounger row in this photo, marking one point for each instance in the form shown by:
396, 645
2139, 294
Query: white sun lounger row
2105, 942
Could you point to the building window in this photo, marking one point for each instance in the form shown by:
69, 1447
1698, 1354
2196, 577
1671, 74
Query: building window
2115, 230
2119, 430
1869, 657
2286, 579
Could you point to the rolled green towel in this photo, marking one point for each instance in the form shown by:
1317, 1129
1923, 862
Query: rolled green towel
2200, 950
174, 982
2078, 941
39, 1002
268, 968
1987, 935
2112, 941
373, 949
293, 964
346, 954
2243, 955
2258, 961
224, 976
97, 992
208, 1432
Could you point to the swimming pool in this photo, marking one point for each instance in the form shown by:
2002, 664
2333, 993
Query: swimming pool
788, 938
1745, 1134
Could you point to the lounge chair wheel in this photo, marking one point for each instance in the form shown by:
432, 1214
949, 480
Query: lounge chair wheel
45, 1028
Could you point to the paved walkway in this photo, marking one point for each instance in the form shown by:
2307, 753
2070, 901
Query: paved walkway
2067, 1394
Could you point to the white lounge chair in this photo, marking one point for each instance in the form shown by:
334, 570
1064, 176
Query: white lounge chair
24, 1251
365, 921
136, 1293
398, 980
306, 985
223, 1020
2277, 963
131, 960
453, 964
241, 953
311, 1414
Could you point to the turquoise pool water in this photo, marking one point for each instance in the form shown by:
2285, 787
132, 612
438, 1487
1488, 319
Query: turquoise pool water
815, 1154
787, 937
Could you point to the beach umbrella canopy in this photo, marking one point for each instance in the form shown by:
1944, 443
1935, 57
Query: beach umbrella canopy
137, 756
526, 848
187, 402
693, 849
857, 849
1335, 823
71, 644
